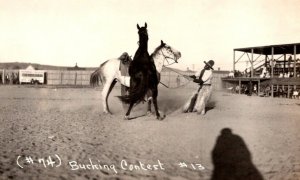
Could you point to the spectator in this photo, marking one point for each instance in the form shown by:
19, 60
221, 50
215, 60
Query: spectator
267, 91
255, 89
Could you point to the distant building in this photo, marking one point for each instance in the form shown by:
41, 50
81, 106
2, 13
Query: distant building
217, 82
30, 68
75, 68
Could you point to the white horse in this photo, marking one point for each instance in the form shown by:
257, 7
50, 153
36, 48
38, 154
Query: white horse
109, 71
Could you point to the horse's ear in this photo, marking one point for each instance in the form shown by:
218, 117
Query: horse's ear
162, 43
137, 25
145, 25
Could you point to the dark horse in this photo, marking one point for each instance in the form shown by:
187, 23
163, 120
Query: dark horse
143, 76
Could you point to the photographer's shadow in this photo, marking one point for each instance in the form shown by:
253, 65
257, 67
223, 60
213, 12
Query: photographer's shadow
232, 159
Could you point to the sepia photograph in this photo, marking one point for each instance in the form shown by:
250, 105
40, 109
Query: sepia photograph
149, 90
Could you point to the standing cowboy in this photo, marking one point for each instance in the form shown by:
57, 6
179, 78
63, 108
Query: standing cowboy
199, 99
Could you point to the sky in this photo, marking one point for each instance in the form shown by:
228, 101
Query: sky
89, 32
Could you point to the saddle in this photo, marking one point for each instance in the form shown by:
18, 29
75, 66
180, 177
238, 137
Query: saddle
124, 65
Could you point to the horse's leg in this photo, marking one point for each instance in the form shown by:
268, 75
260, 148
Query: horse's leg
156, 110
155, 93
149, 108
109, 91
128, 112
149, 98
124, 90
105, 92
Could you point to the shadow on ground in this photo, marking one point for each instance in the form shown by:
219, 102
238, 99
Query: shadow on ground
232, 159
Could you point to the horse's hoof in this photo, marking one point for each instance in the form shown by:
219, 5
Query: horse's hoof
149, 113
160, 118
107, 113
201, 113
126, 117
147, 99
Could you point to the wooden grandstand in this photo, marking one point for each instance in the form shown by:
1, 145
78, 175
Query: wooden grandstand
280, 64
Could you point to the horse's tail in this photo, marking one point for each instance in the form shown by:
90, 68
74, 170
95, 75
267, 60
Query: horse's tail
96, 76
138, 89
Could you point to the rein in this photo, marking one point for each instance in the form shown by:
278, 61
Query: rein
174, 87
166, 58
169, 64
185, 76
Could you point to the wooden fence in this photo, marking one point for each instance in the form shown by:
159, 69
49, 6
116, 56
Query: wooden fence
169, 78
68, 77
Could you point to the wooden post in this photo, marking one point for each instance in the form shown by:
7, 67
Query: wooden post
233, 61
252, 69
272, 90
295, 52
61, 77
284, 61
258, 86
75, 77
272, 66
2, 76
240, 85
288, 93
272, 70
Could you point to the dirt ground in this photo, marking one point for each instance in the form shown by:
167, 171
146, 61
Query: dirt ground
240, 137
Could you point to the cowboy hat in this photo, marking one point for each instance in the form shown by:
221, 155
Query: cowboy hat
210, 64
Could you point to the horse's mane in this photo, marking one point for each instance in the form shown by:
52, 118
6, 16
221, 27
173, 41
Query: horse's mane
101, 65
156, 50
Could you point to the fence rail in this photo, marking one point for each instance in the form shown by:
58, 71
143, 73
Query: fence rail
169, 78
68, 77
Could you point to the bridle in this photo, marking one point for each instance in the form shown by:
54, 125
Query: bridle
168, 57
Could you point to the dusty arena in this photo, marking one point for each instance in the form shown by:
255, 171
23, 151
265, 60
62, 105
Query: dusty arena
61, 133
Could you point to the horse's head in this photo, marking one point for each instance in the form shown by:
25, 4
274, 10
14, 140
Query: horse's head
143, 33
169, 52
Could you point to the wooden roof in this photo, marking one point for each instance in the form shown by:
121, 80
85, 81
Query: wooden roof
267, 50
